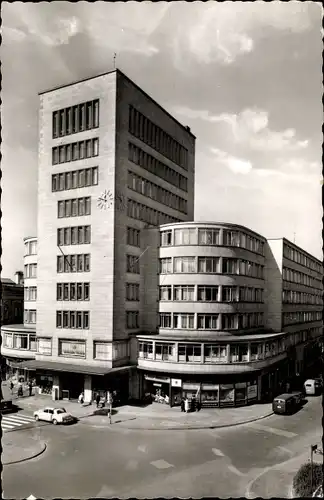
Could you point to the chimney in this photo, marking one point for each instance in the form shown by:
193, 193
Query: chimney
19, 278
188, 128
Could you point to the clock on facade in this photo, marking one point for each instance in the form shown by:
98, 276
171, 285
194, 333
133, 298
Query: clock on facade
105, 200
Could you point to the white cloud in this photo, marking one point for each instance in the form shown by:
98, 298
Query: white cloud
60, 33
12, 35
236, 165
251, 129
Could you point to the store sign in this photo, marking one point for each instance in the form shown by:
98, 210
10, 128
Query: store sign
208, 387
252, 391
194, 387
157, 385
155, 379
176, 382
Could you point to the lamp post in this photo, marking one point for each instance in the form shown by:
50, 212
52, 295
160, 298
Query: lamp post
313, 449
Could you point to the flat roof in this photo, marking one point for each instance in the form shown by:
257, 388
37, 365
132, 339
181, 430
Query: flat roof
210, 223
212, 338
285, 240
117, 71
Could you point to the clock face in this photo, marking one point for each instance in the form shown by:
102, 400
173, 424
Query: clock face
105, 200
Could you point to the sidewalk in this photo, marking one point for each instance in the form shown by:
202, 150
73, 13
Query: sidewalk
154, 416
20, 447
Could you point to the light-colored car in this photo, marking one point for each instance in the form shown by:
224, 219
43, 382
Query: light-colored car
54, 415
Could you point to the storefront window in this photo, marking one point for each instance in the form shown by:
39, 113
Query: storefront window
226, 393
240, 392
210, 393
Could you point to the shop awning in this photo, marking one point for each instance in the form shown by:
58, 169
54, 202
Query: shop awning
73, 368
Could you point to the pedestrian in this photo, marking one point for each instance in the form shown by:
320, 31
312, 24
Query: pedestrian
186, 403
182, 405
193, 403
81, 398
30, 387
20, 392
11, 386
198, 405
98, 399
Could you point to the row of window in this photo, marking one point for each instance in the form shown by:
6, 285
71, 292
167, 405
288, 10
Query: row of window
205, 293
289, 318
204, 236
30, 293
73, 319
210, 321
133, 292
300, 278
155, 192
156, 167
293, 297
74, 119
300, 258
75, 263
133, 237
75, 179
77, 348
146, 214
75, 151
30, 316
74, 208
30, 271
30, 247
77, 235
218, 353
145, 130
19, 341
73, 291
211, 265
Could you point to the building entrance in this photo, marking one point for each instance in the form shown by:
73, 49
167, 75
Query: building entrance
71, 385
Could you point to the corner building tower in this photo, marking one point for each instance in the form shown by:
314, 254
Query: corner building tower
111, 162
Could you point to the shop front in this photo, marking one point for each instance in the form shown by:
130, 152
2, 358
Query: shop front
216, 391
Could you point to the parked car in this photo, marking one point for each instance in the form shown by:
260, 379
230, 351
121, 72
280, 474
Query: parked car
54, 415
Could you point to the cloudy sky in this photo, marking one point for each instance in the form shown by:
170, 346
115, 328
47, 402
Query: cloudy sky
246, 77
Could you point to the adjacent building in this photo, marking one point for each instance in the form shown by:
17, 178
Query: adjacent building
19, 336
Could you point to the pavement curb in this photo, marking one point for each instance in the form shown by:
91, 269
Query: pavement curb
35, 455
180, 427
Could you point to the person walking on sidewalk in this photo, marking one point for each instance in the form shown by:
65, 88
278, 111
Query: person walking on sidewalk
20, 391
30, 387
12, 386
81, 398
182, 405
186, 405
98, 399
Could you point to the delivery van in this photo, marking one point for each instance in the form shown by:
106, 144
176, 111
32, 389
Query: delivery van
313, 386
285, 403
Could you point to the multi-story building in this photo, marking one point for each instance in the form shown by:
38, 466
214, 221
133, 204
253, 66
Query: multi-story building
222, 330
111, 162
19, 334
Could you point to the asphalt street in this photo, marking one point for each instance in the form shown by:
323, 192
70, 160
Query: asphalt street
87, 462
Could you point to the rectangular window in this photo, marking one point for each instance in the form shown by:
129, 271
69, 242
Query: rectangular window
207, 321
165, 320
185, 236
228, 321
208, 237
208, 264
166, 265
166, 293
189, 353
184, 321
207, 293
44, 346
185, 264
132, 264
132, 292
103, 350
165, 238
133, 237
229, 294
230, 266
73, 348
145, 350
215, 353
231, 238
132, 318
185, 293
